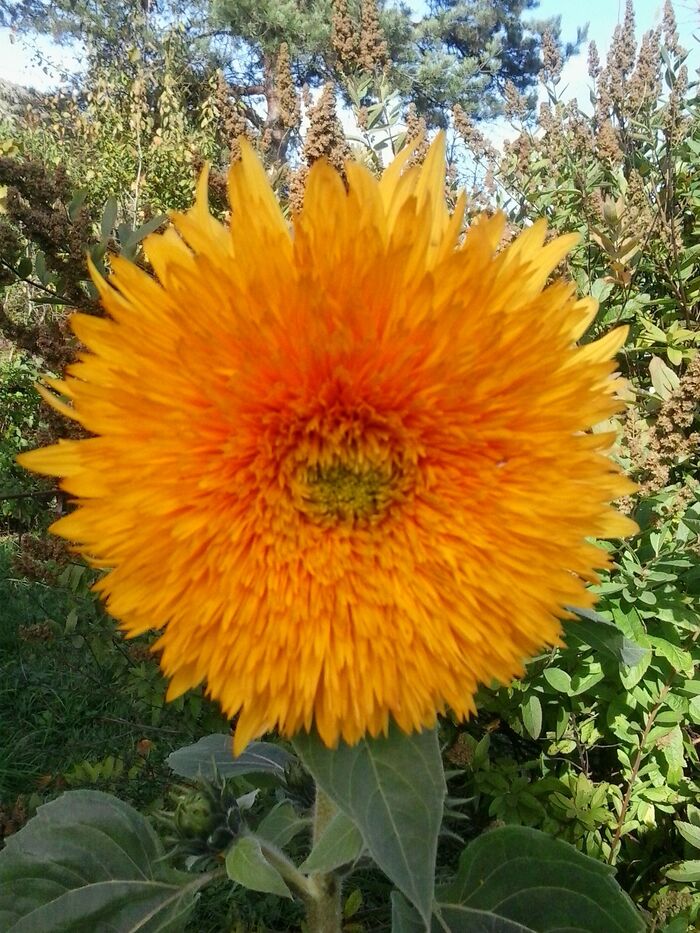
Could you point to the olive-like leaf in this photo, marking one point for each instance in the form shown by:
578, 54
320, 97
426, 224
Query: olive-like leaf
604, 637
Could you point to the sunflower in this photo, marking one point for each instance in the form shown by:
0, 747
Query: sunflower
345, 468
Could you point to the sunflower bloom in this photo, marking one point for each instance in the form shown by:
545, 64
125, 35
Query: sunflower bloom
346, 468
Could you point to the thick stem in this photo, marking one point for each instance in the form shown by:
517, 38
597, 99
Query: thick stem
323, 908
323, 911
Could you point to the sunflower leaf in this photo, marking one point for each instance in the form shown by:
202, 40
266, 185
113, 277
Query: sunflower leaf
393, 789
246, 865
90, 861
213, 755
454, 918
281, 824
340, 843
404, 918
459, 919
526, 880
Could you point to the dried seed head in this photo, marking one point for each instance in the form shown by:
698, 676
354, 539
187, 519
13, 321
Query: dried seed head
373, 48
593, 60
288, 99
551, 58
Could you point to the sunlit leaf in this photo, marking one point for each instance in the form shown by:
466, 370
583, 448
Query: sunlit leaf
393, 789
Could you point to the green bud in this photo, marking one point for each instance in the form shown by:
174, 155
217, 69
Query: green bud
195, 815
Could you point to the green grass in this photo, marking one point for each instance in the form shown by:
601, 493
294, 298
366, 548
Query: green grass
73, 692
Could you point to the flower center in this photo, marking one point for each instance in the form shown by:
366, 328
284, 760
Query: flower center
341, 492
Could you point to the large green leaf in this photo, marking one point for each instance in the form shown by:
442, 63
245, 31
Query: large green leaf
543, 884
454, 918
214, 753
689, 831
340, 843
458, 919
687, 872
404, 918
88, 861
393, 789
531, 710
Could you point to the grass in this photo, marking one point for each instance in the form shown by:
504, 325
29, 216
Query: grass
73, 691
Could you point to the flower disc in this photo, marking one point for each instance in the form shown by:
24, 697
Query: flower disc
346, 468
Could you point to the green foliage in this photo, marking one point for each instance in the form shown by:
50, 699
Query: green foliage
688, 870
598, 744
613, 759
339, 844
22, 496
281, 824
393, 789
80, 855
88, 860
465, 50
246, 865
533, 879
624, 178
78, 706
136, 129
305, 27
108, 31
461, 52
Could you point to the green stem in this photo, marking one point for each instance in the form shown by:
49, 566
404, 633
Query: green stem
323, 909
287, 869
323, 912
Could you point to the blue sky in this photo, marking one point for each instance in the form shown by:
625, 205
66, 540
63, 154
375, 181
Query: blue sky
602, 16
16, 61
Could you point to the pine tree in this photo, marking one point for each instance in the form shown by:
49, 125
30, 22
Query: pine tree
463, 52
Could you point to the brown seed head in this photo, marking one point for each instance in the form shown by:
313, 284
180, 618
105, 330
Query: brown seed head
593, 60
344, 36
551, 58
287, 97
373, 51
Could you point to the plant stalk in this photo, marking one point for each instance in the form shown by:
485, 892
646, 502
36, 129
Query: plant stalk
323, 907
